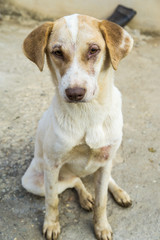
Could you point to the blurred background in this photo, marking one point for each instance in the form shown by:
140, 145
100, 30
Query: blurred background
25, 93
146, 20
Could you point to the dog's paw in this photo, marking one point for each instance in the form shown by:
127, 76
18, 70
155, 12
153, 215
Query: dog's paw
122, 198
51, 231
103, 232
86, 201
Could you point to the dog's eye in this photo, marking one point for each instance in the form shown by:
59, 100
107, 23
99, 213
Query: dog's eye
93, 50
58, 53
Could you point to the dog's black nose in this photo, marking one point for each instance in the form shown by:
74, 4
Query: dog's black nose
75, 94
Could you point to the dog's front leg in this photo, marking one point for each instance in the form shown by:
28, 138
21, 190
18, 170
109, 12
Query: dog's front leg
51, 227
102, 228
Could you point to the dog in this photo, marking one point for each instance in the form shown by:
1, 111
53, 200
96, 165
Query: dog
81, 131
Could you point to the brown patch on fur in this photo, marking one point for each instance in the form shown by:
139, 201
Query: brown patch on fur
86, 63
58, 36
102, 154
105, 152
89, 34
114, 35
34, 45
89, 63
127, 40
51, 69
91, 21
63, 65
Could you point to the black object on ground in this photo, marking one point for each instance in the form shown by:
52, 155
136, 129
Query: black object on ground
122, 15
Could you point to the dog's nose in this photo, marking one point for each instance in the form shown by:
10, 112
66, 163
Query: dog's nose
75, 94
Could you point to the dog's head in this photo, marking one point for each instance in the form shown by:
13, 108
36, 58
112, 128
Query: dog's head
79, 49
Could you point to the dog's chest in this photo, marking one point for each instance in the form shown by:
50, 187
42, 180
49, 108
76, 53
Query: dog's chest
96, 130
95, 148
83, 160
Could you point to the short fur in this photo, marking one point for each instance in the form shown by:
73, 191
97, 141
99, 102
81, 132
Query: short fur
76, 138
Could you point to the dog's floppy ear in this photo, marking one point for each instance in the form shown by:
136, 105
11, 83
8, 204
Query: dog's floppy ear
118, 41
35, 44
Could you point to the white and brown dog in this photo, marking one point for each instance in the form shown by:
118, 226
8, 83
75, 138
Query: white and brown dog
82, 129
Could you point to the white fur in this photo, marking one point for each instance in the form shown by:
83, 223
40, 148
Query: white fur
77, 76
64, 126
71, 138
72, 24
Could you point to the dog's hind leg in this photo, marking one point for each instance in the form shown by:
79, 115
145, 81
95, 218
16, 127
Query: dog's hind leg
120, 196
33, 179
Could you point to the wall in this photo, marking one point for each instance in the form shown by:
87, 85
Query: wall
147, 18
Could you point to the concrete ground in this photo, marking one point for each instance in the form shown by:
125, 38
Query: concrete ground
24, 95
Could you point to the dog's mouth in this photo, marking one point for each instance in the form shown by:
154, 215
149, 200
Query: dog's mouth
72, 101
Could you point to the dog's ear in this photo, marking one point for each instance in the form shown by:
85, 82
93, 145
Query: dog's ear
34, 45
118, 41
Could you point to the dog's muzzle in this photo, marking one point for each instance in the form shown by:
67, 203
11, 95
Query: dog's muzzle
75, 94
